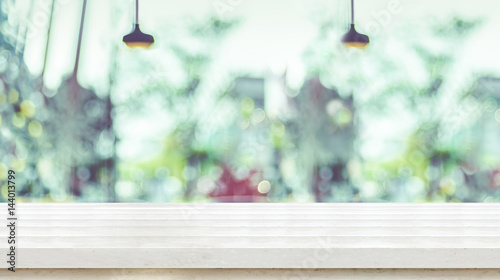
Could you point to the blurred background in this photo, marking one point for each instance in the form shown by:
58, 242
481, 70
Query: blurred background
250, 101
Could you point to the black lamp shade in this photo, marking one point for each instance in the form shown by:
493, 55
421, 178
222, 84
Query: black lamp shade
138, 39
354, 39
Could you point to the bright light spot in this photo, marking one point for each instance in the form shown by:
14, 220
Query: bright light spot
295, 74
497, 115
343, 117
489, 199
490, 104
258, 116
205, 185
338, 112
242, 172
44, 167
13, 96
278, 128
333, 106
126, 189
302, 196
216, 172
35, 129
247, 106
287, 167
6, 132
447, 186
415, 187
18, 120
105, 144
370, 189
264, 187
244, 124
173, 187
58, 194
27, 108
18, 165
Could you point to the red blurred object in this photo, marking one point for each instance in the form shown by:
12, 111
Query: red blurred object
495, 179
230, 189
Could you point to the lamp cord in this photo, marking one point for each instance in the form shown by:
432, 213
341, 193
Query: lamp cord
352, 11
136, 11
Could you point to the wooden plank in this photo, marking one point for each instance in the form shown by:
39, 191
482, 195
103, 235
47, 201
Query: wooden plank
252, 274
97, 235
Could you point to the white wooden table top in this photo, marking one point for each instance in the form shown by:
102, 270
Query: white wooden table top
90, 235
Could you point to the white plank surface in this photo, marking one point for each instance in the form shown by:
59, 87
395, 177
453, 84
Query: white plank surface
252, 274
256, 235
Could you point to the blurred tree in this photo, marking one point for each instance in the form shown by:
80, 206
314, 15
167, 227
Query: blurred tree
79, 127
399, 76
21, 108
61, 142
193, 102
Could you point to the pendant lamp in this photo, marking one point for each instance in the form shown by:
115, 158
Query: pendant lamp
353, 39
137, 38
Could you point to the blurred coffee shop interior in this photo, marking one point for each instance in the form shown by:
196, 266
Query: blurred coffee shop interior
250, 101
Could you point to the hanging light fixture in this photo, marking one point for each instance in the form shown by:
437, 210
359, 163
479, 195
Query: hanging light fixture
352, 38
137, 38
